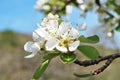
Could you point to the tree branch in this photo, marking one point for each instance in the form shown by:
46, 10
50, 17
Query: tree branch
108, 59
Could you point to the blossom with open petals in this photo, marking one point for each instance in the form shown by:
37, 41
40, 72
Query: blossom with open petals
34, 46
51, 35
68, 37
40, 4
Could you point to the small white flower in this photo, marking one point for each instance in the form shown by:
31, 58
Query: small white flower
80, 1
34, 46
82, 27
69, 9
83, 7
50, 22
68, 38
40, 3
31, 47
109, 34
46, 7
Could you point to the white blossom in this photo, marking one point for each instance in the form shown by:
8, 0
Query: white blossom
40, 3
109, 34
82, 27
34, 46
80, 1
53, 35
69, 9
68, 38
83, 7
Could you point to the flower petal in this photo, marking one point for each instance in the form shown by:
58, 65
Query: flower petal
28, 46
69, 9
50, 15
83, 7
64, 27
73, 46
35, 36
51, 43
42, 32
82, 27
61, 48
31, 55
52, 25
35, 47
74, 33
80, 1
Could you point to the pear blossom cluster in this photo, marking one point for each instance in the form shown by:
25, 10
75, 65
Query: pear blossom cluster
44, 5
40, 4
53, 34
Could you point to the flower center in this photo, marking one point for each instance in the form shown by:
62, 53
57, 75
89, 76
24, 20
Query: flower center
65, 41
53, 34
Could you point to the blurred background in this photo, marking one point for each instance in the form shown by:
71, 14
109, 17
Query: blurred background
18, 19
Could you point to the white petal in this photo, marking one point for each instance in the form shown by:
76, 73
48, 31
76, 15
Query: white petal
35, 36
80, 1
31, 55
42, 33
50, 15
74, 33
51, 43
83, 7
69, 9
64, 27
46, 7
82, 27
61, 48
109, 34
28, 46
35, 47
73, 46
52, 25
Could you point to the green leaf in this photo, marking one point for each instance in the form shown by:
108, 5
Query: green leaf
68, 57
41, 69
51, 55
53, 2
118, 28
91, 39
81, 75
89, 51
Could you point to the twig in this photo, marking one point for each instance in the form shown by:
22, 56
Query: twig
108, 59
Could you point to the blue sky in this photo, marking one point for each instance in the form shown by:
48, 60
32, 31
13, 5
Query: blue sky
20, 16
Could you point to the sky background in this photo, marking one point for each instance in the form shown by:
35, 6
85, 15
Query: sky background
20, 16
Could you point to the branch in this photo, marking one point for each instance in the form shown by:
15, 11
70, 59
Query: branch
108, 59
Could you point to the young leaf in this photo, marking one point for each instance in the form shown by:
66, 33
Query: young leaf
91, 39
41, 69
83, 75
51, 55
68, 57
89, 51
118, 28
